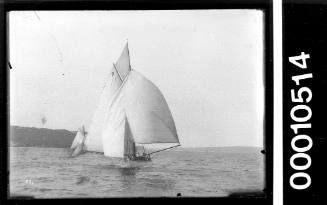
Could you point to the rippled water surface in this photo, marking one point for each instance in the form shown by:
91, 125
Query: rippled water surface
51, 173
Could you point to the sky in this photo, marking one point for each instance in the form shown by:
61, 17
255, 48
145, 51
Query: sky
207, 63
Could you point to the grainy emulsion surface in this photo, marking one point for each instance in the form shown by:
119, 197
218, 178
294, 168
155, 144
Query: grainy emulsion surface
51, 173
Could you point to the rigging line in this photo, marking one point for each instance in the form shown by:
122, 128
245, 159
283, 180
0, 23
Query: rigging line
118, 72
164, 149
53, 38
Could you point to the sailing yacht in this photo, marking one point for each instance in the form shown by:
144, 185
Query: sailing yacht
131, 113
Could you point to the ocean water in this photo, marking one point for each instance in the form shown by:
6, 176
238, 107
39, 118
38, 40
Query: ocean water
51, 173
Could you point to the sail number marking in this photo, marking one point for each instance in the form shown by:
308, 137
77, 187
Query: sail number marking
300, 114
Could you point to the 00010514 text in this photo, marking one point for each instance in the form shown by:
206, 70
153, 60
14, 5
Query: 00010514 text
300, 122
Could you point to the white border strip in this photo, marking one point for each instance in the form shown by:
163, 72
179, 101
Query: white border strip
278, 104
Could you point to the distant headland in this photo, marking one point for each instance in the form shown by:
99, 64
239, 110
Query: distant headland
61, 138
40, 137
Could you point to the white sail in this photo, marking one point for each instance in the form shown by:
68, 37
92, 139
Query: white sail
93, 141
131, 110
123, 63
140, 103
118, 73
147, 111
114, 129
77, 140
78, 150
78, 143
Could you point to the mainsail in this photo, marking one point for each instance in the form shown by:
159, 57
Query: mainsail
131, 110
147, 111
149, 118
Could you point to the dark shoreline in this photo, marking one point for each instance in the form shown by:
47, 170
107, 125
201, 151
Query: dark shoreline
40, 137
61, 138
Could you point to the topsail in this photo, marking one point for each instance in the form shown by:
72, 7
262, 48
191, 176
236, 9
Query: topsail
132, 110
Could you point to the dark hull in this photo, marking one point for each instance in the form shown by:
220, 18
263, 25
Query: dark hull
140, 158
79, 150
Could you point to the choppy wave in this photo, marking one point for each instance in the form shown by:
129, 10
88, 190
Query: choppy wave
52, 173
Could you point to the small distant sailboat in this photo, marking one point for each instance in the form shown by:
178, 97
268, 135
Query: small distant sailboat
131, 113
